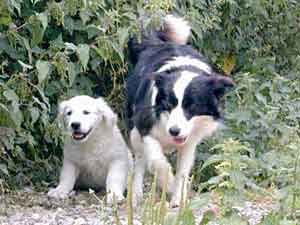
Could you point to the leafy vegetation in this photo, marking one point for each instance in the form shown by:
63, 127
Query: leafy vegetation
51, 50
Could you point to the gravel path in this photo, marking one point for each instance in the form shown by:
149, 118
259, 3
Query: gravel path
34, 208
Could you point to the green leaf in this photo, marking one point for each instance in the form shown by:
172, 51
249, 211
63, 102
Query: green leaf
5, 17
83, 52
43, 17
3, 169
39, 23
8, 49
15, 4
6, 119
85, 16
187, 217
123, 34
27, 46
215, 180
92, 31
35, 113
118, 49
238, 179
207, 216
234, 219
11, 95
229, 64
260, 98
56, 12
73, 71
43, 68
213, 159
17, 114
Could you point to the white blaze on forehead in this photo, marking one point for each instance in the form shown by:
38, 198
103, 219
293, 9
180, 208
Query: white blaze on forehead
181, 84
185, 61
177, 117
154, 94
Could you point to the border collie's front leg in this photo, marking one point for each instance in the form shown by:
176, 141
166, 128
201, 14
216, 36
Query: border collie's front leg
185, 161
138, 179
157, 163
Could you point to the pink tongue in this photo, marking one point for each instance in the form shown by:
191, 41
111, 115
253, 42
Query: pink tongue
179, 140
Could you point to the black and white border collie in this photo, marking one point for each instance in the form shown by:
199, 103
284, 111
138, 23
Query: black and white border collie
172, 103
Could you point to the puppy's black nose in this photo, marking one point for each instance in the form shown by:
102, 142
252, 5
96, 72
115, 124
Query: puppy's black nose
174, 131
75, 125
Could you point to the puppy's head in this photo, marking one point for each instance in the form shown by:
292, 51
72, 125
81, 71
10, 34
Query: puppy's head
83, 114
189, 98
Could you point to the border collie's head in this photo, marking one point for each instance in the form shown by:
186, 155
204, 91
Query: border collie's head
187, 97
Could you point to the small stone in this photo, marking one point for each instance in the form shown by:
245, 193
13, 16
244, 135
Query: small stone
35, 216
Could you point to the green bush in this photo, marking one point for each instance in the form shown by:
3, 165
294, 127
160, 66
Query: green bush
52, 50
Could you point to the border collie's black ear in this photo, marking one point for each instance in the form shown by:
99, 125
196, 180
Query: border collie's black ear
157, 78
220, 83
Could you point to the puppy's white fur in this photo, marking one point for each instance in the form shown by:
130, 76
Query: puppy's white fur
101, 159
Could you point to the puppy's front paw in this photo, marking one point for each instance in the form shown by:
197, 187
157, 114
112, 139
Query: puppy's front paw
58, 193
175, 202
111, 197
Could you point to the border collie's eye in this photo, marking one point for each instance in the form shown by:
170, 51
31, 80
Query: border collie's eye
165, 105
187, 103
173, 100
86, 112
69, 113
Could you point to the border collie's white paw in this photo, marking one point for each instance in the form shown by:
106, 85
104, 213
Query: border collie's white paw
58, 193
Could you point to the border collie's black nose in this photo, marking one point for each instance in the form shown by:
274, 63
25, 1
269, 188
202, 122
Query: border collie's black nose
174, 131
75, 125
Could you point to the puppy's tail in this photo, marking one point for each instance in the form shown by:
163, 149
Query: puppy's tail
175, 30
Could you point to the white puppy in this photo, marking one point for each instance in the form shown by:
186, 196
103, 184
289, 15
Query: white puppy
95, 153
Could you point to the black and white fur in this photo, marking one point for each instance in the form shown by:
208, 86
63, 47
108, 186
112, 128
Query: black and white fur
172, 103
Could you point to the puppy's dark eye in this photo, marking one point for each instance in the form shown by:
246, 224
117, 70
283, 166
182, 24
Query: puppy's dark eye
69, 113
86, 112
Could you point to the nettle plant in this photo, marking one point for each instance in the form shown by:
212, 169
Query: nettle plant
52, 50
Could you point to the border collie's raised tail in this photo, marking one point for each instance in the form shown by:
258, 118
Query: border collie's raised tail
172, 103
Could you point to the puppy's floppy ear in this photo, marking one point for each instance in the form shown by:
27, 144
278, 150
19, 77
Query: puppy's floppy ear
220, 84
109, 116
61, 108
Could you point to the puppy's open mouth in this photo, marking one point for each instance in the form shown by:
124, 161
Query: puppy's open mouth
77, 135
179, 140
